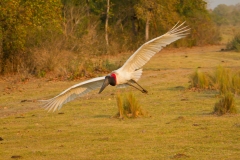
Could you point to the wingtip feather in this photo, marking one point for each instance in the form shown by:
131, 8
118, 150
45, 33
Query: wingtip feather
178, 28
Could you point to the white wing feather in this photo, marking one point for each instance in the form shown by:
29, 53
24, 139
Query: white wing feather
150, 48
73, 92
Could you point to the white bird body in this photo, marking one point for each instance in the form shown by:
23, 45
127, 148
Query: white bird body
127, 75
122, 77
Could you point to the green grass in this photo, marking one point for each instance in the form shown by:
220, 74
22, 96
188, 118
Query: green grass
181, 124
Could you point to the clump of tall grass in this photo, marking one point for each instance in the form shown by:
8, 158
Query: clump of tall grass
226, 104
200, 80
234, 44
129, 107
225, 81
221, 79
236, 83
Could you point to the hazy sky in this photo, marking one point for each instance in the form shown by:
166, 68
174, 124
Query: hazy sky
214, 3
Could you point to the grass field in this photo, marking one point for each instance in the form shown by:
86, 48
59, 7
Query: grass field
179, 126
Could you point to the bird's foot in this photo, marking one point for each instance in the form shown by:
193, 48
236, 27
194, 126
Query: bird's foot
144, 91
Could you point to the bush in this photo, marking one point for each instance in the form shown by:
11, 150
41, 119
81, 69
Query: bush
20, 22
72, 66
234, 44
128, 107
110, 66
226, 104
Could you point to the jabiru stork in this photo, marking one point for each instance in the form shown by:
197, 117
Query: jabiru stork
127, 75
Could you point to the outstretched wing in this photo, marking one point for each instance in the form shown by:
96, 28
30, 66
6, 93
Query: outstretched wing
150, 48
73, 92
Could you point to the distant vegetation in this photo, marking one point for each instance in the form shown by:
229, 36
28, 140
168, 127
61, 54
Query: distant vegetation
226, 15
36, 35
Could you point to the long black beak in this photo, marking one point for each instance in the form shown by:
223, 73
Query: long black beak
105, 84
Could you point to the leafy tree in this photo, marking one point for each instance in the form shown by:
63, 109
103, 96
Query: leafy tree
203, 30
155, 17
19, 18
86, 26
156, 12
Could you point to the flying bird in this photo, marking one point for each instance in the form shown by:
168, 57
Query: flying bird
127, 75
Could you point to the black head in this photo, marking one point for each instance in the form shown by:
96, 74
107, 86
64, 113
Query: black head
108, 80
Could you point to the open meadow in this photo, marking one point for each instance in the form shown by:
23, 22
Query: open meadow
180, 124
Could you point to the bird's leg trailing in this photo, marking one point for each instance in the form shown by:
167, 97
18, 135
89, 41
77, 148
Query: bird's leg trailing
143, 90
136, 87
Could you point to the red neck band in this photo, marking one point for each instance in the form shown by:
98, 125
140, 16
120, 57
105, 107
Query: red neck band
114, 76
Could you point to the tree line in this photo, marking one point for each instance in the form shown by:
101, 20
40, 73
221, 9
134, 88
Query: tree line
93, 27
225, 15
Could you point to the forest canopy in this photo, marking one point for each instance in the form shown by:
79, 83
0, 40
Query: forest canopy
32, 33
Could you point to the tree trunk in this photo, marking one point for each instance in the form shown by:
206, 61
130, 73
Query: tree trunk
147, 29
106, 24
5, 51
134, 27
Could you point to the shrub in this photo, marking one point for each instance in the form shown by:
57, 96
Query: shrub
234, 44
110, 66
20, 22
226, 104
128, 107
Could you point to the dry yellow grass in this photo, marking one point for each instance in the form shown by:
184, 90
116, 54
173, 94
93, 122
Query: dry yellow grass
180, 125
129, 107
